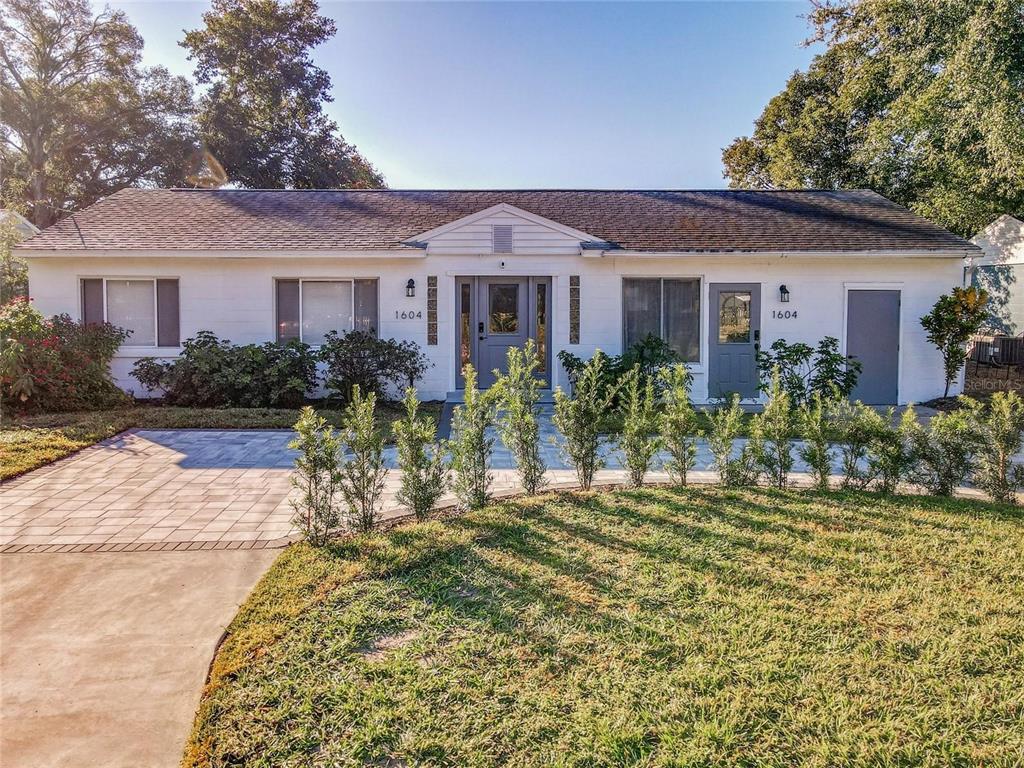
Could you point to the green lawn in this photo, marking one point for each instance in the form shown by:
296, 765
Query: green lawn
29, 442
655, 628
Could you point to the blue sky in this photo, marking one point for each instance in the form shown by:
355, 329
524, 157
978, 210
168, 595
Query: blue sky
504, 95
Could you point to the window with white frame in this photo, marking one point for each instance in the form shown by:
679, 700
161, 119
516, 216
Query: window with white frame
667, 307
147, 308
310, 309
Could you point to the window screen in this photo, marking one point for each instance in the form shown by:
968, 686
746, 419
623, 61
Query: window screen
326, 306
669, 308
131, 304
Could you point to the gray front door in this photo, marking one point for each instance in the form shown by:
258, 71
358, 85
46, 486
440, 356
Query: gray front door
735, 331
505, 322
873, 339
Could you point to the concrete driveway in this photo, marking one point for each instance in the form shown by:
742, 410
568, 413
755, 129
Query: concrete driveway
103, 655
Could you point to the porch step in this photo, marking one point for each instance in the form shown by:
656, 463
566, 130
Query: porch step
547, 397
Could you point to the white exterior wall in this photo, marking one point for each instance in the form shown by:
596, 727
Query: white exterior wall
234, 297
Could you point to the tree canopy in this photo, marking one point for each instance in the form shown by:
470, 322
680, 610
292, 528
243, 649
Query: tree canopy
920, 100
79, 117
263, 116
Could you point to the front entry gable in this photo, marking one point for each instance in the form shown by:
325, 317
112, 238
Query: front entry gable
504, 229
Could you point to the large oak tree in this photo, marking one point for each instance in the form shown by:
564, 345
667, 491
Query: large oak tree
262, 116
920, 100
79, 117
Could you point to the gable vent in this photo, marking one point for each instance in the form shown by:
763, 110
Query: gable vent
501, 238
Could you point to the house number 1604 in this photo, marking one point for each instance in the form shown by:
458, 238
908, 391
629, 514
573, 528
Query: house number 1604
410, 314
784, 314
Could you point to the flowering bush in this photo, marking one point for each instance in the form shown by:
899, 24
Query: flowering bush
55, 364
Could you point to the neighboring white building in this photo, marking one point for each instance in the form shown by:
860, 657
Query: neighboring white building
999, 269
19, 223
466, 274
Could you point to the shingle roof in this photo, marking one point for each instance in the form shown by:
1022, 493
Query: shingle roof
713, 220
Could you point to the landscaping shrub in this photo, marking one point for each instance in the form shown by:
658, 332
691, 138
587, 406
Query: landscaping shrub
805, 370
363, 471
424, 473
678, 423
726, 427
56, 364
950, 324
578, 417
317, 477
640, 440
380, 366
855, 426
999, 433
649, 355
772, 432
892, 451
212, 372
470, 445
946, 450
518, 392
818, 432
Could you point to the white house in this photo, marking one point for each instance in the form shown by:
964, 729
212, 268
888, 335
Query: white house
998, 269
466, 274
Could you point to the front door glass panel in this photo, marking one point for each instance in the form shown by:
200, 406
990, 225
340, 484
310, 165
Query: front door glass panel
734, 317
503, 308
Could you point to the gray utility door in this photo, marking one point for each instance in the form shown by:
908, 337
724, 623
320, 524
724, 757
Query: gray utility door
496, 313
873, 339
734, 335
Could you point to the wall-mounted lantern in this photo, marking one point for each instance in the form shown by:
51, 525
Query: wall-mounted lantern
410, 288
783, 294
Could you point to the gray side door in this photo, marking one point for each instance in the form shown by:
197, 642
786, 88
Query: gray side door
504, 322
873, 339
734, 333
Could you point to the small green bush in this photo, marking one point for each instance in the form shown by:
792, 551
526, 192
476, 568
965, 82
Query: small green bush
678, 423
726, 427
424, 473
772, 432
818, 432
999, 432
317, 478
471, 446
56, 364
855, 426
363, 471
213, 373
946, 450
578, 417
805, 370
518, 393
380, 366
649, 355
892, 451
640, 440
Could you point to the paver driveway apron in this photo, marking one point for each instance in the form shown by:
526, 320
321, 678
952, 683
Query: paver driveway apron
155, 489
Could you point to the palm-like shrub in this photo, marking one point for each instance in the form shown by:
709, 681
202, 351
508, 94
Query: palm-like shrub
818, 432
678, 422
471, 446
726, 427
363, 471
317, 477
424, 472
639, 441
772, 432
999, 431
578, 417
518, 392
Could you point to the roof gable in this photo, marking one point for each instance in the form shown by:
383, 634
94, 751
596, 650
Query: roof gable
529, 233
